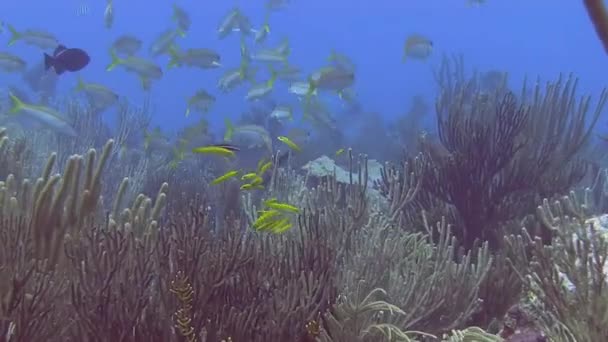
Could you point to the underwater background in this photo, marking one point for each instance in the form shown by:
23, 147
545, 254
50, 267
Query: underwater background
288, 170
527, 39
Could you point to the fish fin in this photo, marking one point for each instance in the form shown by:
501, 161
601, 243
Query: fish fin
15, 35
187, 111
80, 85
229, 130
227, 146
48, 61
16, 104
332, 55
266, 25
115, 60
173, 57
273, 77
244, 49
146, 83
59, 49
285, 50
312, 87
59, 68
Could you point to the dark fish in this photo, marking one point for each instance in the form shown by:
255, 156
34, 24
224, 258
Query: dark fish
229, 147
63, 59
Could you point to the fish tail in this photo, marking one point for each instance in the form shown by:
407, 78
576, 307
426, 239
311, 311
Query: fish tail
266, 28
80, 85
16, 104
115, 60
15, 35
287, 50
173, 57
229, 130
332, 55
245, 55
174, 16
243, 67
267, 20
312, 87
145, 83
273, 77
48, 61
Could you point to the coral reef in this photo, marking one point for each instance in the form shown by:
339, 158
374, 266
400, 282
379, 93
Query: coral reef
566, 280
498, 154
435, 251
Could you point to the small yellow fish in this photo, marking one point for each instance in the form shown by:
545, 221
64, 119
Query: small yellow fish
339, 152
272, 220
173, 165
215, 149
264, 167
276, 226
265, 218
280, 226
249, 176
249, 187
276, 205
289, 143
225, 177
417, 47
257, 181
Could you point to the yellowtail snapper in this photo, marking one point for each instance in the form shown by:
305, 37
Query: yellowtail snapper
44, 115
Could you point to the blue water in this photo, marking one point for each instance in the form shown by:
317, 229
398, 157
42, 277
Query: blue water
533, 38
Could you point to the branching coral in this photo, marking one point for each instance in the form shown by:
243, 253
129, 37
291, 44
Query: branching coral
420, 279
497, 155
127, 272
567, 280
400, 186
417, 277
15, 156
41, 221
478, 151
183, 316
34, 219
110, 285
